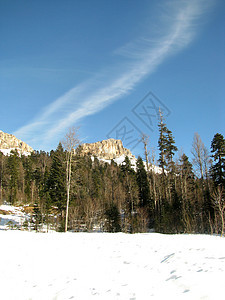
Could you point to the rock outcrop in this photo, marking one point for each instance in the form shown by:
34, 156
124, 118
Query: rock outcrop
106, 149
9, 142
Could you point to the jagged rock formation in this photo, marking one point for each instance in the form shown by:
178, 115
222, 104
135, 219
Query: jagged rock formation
9, 142
106, 149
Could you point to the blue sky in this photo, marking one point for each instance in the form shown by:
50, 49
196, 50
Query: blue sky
106, 66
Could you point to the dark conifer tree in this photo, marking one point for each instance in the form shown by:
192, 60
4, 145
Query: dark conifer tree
126, 166
97, 182
27, 165
166, 146
36, 218
56, 180
170, 150
162, 142
112, 218
128, 178
143, 185
13, 169
44, 195
218, 150
186, 191
2, 175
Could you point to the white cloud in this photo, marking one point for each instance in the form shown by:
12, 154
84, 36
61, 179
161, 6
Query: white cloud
177, 29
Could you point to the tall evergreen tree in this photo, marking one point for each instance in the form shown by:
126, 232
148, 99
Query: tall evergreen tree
162, 142
27, 165
143, 185
2, 174
166, 146
218, 150
186, 183
131, 193
170, 150
13, 169
56, 180
112, 215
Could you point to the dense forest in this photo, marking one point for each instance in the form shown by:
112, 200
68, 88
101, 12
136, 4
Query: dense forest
87, 194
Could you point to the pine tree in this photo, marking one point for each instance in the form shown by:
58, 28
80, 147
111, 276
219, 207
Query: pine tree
27, 165
170, 150
126, 166
186, 182
36, 218
56, 180
169, 200
162, 143
2, 175
166, 146
143, 185
45, 198
97, 182
218, 150
13, 169
131, 194
112, 218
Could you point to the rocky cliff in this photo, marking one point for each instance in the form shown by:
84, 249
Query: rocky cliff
9, 142
106, 149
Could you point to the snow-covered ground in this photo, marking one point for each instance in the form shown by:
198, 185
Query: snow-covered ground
12, 216
110, 266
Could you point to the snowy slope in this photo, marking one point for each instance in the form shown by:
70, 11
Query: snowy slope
119, 160
7, 152
111, 266
12, 216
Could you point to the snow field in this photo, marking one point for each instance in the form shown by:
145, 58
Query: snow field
111, 266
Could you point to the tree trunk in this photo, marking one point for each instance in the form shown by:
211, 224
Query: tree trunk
68, 179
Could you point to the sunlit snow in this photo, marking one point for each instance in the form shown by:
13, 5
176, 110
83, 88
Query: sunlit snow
111, 266
119, 161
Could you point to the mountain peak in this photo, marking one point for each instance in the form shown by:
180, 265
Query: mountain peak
106, 149
9, 142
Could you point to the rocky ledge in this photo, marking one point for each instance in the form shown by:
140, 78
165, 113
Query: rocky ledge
106, 149
9, 141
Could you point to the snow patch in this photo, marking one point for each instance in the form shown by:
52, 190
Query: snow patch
7, 152
12, 217
119, 161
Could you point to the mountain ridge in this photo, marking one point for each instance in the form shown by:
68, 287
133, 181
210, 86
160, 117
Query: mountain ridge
113, 149
105, 149
9, 142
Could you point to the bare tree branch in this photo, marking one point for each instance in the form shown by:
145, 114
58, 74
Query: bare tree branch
70, 143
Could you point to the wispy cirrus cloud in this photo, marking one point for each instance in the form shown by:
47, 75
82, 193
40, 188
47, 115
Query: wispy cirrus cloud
176, 30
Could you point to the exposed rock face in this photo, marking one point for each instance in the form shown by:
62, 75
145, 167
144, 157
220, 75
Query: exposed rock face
106, 149
9, 142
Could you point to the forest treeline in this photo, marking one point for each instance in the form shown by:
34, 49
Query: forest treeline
113, 198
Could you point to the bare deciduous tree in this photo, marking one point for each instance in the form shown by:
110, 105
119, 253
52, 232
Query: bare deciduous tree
70, 143
201, 156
